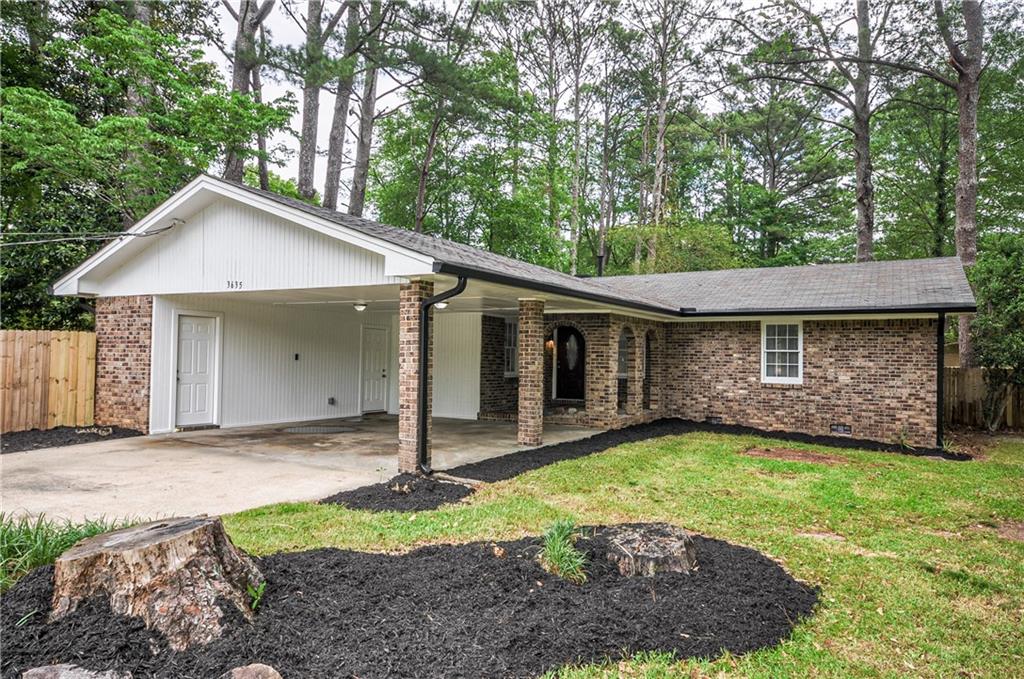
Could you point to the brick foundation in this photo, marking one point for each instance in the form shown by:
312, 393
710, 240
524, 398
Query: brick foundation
531, 372
124, 335
409, 297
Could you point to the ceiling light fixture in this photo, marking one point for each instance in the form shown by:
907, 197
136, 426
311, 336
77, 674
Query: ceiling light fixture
441, 305
359, 306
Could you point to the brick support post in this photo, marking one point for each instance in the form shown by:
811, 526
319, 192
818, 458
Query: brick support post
531, 372
409, 297
124, 336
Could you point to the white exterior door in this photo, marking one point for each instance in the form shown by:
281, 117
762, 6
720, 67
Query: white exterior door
195, 370
375, 369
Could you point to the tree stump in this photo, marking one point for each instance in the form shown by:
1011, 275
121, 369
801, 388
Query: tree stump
174, 574
649, 548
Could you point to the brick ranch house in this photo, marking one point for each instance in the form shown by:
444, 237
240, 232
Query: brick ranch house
230, 306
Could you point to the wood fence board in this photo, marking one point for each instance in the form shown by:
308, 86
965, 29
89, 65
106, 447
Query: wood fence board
47, 379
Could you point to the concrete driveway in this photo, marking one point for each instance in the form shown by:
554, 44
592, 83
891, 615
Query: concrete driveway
228, 470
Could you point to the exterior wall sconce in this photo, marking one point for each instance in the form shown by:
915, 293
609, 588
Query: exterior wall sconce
359, 307
550, 346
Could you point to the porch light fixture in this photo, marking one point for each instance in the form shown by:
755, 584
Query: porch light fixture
441, 305
359, 306
550, 346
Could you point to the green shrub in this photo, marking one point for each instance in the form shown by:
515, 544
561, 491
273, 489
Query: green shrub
559, 554
26, 543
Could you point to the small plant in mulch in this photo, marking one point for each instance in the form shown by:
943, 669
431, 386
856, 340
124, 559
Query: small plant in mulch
255, 594
559, 555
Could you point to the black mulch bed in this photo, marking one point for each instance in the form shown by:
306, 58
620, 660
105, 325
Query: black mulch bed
18, 441
451, 611
403, 493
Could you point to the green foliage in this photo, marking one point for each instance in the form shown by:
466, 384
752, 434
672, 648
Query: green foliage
27, 543
278, 184
998, 329
255, 594
560, 556
130, 114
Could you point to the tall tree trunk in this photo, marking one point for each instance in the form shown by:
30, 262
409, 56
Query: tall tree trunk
367, 111
604, 217
968, 64
428, 158
311, 82
339, 122
865, 189
261, 139
574, 215
250, 16
941, 190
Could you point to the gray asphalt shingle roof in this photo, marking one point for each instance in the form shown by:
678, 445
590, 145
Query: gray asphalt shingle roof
918, 284
903, 284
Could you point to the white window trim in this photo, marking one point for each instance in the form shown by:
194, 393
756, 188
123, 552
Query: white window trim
511, 325
800, 350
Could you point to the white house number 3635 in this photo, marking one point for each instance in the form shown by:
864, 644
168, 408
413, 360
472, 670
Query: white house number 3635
234, 285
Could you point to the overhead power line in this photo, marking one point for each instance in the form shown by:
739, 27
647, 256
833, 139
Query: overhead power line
83, 237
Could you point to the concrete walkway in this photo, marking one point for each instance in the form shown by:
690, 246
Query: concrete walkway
228, 470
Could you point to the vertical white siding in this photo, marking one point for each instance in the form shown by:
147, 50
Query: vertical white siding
456, 365
262, 383
229, 241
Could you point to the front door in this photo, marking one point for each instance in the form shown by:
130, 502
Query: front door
375, 369
195, 371
570, 355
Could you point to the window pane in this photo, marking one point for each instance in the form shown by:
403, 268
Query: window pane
769, 370
769, 343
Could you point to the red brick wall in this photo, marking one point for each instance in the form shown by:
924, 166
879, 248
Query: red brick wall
498, 394
878, 376
124, 332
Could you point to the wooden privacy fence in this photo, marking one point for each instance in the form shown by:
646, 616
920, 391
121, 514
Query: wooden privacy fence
964, 395
47, 379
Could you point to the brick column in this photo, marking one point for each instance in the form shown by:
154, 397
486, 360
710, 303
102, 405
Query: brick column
531, 372
124, 336
409, 297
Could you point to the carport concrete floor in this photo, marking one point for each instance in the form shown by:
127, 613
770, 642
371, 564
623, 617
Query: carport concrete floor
219, 471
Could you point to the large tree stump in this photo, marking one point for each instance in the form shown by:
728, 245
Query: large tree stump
174, 574
649, 548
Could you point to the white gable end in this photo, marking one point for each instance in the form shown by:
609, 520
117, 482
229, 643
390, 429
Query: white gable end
232, 246
213, 236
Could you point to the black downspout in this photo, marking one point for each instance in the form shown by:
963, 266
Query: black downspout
940, 379
424, 367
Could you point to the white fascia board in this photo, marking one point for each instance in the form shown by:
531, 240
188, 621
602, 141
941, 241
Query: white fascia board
398, 261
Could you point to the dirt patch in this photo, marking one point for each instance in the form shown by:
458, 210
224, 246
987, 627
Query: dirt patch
403, 493
18, 441
794, 455
445, 610
822, 535
1011, 530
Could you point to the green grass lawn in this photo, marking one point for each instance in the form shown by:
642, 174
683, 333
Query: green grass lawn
915, 578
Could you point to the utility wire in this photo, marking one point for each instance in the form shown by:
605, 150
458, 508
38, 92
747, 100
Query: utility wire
83, 237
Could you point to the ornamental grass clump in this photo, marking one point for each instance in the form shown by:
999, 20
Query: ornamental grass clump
559, 556
26, 543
